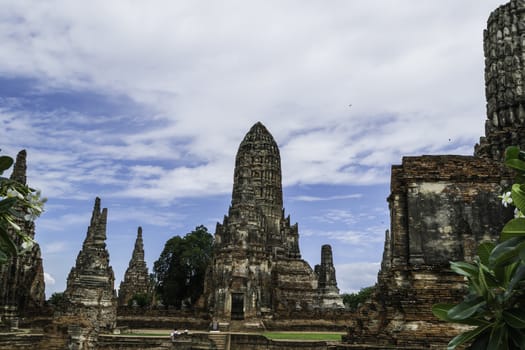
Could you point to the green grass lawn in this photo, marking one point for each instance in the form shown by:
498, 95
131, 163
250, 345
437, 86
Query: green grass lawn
303, 336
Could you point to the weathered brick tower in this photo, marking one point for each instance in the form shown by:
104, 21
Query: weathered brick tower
257, 269
136, 279
504, 49
22, 277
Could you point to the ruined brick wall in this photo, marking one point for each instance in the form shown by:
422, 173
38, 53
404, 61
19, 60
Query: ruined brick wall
441, 208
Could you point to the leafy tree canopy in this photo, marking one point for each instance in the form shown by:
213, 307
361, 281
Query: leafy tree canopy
352, 300
181, 268
56, 298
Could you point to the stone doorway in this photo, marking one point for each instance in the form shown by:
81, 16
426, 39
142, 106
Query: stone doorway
237, 306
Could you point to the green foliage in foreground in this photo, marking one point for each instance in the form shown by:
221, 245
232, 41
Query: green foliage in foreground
495, 303
352, 300
303, 336
18, 204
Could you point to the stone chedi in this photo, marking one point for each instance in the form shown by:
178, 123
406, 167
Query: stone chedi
257, 270
327, 282
22, 277
442, 207
136, 278
90, 285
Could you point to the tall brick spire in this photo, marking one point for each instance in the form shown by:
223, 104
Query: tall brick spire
90, 283
136, 278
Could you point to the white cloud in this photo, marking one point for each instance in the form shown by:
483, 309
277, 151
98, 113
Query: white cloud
327, 198
55, 247
48, 279
411, 90
353, 237
352, 277
166, 92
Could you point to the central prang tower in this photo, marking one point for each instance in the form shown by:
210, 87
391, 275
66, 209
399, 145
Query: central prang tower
257, 270
257, 192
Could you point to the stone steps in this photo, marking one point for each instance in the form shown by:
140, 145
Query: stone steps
221, 340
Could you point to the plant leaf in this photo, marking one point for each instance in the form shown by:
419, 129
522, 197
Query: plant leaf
7, 243
518, 337
3, 257
506, 252
518, 196
515, 318
5, 163
498, 338
484, 250
519, 275
513, 228
466, 337
512, 152
514, 158
6, 204
481, 342
466, 309
464, 269
440, 311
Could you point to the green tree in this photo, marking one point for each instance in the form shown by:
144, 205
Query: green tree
181, 267
56, 298
495, 303
352, 300
140, 299
18, 202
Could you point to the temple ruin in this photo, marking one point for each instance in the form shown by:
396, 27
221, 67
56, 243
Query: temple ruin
136, 279
442, 207
257, 271
22, 277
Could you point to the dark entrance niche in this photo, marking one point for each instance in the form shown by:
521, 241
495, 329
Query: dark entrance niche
237, 306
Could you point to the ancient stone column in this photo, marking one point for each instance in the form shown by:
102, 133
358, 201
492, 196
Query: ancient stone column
22, 277
136, 279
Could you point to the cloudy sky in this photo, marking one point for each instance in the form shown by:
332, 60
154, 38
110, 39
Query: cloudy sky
145, 103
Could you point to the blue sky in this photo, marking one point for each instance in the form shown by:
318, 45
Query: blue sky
145, 103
